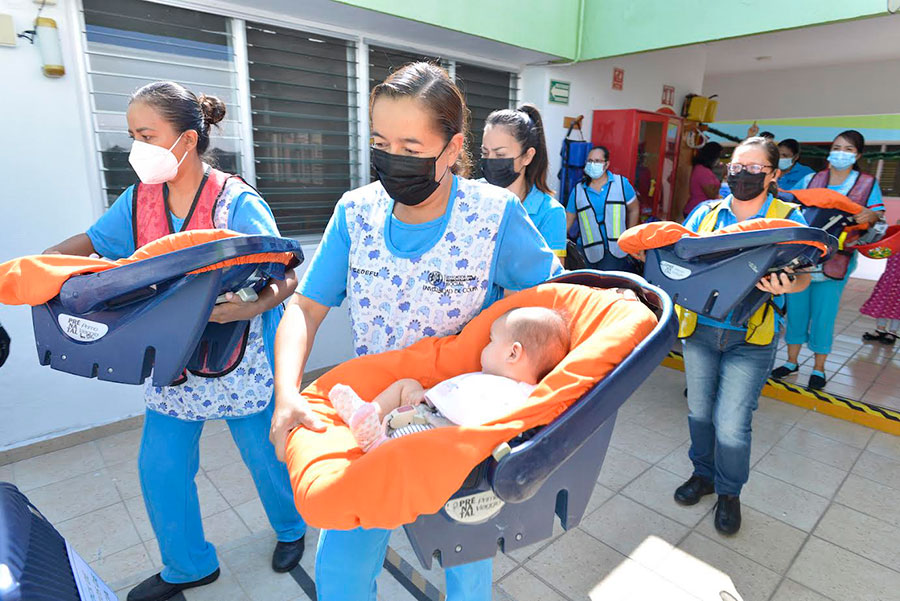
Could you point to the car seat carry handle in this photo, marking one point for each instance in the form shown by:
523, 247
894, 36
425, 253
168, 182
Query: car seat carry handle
693, 248
521, 473
89, 292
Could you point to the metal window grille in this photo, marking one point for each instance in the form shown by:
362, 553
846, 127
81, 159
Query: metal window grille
485, 90
129, 43
305, 123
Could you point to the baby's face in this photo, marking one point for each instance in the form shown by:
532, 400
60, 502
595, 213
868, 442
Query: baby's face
494, 356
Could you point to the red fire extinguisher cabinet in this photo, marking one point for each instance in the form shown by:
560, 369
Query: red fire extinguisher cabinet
644, 147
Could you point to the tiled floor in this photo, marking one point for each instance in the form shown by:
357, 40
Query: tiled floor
821, 517
865, 371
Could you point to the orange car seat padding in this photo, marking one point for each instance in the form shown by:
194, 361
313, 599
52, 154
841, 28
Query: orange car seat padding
337, 486
657, 234
826, 198
36, 279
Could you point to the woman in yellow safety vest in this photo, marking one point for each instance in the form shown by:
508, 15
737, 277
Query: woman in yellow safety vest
726, 366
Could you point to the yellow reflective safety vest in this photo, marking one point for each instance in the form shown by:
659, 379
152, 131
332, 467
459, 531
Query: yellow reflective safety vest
761, 327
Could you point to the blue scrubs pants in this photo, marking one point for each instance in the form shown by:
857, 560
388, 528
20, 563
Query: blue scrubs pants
168, 463
348, 562
811, 315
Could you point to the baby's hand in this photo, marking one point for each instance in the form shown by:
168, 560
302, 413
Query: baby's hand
412, 396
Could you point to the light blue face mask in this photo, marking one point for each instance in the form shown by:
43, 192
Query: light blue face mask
785, 163
841, 159
594, 170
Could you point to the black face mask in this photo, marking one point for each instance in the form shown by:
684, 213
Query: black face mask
747, 186
499, 172
408, 180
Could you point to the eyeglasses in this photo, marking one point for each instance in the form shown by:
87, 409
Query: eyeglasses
735, 168
596, 161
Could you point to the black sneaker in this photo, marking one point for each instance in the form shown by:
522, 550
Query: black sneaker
693, 490
783, 371
157, 589
816, 382
728, 514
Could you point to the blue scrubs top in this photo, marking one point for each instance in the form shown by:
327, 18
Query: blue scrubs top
791, 179
522, 258
727, 217
549, 217
112, 237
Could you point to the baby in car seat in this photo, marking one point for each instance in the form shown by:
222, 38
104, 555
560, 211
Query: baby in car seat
525, 345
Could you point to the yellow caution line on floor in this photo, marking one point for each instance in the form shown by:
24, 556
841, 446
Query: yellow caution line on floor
872, 416
412, 580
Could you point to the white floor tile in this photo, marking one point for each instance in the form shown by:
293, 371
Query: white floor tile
654, 489
763, 539
808, 474
634, 531
704, 567
57, 466
839, 574
783, 501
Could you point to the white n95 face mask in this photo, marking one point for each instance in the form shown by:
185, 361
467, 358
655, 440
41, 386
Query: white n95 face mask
154, 164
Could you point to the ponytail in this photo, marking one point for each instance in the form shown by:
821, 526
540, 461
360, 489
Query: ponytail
527, 127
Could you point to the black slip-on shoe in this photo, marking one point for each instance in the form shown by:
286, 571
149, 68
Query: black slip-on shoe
287, 556
157, 589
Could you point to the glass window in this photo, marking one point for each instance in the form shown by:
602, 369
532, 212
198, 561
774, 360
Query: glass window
305, 129
129, 43
485, 90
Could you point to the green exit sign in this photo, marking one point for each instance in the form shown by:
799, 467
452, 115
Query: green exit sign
559, 91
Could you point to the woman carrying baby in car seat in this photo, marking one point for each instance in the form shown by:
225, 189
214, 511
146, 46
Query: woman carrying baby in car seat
418, 253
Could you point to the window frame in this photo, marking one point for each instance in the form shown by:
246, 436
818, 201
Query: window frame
239, 16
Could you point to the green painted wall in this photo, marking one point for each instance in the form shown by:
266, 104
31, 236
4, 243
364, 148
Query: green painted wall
547, 26
614, 27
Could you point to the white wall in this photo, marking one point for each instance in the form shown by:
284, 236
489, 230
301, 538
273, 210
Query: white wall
48, 196
870, 88
591, 89
50, 193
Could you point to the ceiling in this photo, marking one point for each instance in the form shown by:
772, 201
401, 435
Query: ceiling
391, 30
864, 40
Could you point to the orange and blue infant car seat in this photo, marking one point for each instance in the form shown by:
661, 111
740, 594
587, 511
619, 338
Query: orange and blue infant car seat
716, 274
463, 492
149, 313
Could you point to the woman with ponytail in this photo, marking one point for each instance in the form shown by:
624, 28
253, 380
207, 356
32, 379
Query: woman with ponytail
178, 191
514, 156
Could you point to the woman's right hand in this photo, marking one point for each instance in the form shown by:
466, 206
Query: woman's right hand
291, 411
293, 342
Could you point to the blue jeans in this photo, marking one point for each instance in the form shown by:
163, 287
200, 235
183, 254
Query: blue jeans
725, 376
168, 463
348, 562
